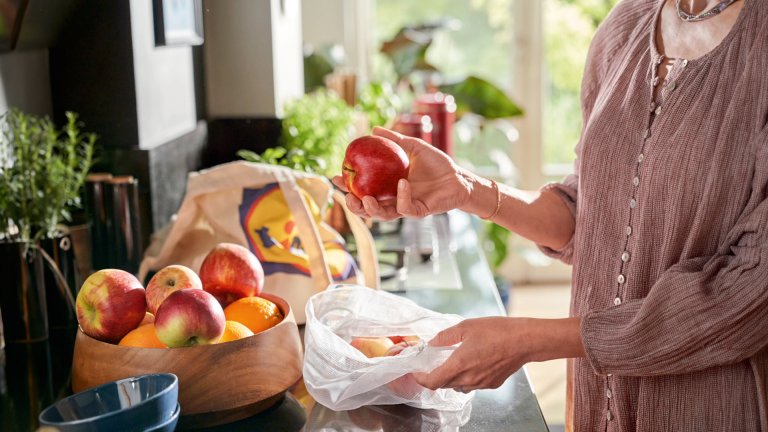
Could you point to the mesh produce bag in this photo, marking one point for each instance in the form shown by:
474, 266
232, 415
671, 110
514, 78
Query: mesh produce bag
340, 377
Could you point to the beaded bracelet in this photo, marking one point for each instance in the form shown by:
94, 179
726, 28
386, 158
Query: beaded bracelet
498, 200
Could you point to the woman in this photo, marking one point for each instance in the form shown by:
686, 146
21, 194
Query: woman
665, 221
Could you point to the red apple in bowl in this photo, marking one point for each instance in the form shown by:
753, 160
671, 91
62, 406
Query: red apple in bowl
372, 166
110, 303
231, 272
167, 280
189, 317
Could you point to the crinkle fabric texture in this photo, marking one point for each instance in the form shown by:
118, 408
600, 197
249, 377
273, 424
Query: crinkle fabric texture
670, 251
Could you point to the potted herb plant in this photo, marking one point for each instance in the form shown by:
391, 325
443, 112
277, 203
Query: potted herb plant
42, 169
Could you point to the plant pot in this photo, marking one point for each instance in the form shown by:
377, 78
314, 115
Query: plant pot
22, 293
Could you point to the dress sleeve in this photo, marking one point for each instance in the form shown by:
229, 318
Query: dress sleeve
700, 313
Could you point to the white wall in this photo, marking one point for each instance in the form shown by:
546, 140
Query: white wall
25, 82
164, 77
343, 22
253, 60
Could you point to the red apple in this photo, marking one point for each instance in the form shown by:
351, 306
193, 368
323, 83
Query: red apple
372, 167
231, 272
372, 346
168, 280
189, 317
110, 303
405, 386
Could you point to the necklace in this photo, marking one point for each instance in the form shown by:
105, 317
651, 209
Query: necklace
685, 16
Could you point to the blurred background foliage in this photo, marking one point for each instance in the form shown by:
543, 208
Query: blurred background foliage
481, 43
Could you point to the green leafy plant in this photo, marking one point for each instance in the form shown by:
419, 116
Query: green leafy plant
42, 170
378, 102
315, 132
407, 51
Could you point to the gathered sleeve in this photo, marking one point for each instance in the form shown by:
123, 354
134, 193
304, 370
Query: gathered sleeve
701, 312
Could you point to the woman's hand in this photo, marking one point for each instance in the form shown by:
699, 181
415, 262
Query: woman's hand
494, 348
435, 184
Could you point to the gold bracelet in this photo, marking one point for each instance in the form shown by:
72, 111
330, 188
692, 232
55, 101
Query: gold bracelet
498, 200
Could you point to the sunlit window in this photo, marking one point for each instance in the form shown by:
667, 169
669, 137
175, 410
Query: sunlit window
477, 38
568, 28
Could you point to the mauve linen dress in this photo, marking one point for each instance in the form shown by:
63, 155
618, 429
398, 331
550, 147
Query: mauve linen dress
670, 251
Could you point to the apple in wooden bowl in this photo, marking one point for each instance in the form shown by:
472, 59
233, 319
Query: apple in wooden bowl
218, 383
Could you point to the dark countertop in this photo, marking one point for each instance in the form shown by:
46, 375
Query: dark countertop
34, 375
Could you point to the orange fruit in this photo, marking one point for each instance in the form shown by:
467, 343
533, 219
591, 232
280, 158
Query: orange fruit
256, 313
233, 330
143, 336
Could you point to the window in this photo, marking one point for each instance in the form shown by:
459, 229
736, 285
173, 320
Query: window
568, 27
477, 40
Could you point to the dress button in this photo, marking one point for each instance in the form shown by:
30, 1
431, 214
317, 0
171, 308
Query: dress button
658, 110
609, 415
636, 181
608, 394
685, 62
653, 106
629, 230
621, 279
640, 157
672, 86
647, 133
632, 203
616, 302
625, 256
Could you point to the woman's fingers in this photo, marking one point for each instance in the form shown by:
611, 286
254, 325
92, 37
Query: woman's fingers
383, 210
355, 205
450, 336
440, 377
339, 182
406, 205
407, 143
387, 133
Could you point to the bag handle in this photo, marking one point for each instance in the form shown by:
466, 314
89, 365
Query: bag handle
310, 237
366, 250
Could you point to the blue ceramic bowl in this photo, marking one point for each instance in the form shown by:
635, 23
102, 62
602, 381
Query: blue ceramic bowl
169, 425
132, 404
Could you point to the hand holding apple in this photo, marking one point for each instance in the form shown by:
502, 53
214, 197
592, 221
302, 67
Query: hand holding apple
167, 280
110, 304
189, 317
372, 167
231, 272
434, 184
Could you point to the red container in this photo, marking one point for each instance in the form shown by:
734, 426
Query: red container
414, 125
441, 108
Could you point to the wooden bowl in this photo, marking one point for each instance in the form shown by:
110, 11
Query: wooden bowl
218, 383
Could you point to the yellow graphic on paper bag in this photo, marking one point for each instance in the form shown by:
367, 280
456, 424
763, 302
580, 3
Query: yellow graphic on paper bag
272, 235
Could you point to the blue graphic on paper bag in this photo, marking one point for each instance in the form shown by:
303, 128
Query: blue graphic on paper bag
273, 237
